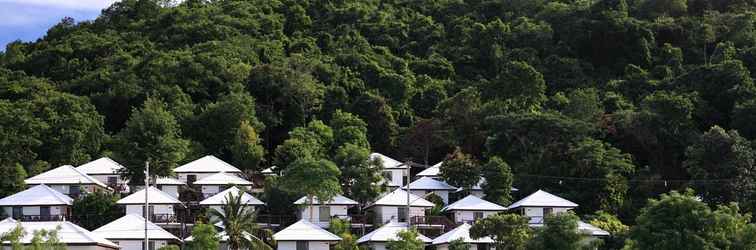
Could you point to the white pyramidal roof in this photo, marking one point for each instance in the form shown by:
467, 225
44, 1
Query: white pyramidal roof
479, 185
543, 199
65, 174
103, 165
398, 197
427, 183
156, 196
223, 179
223, 236
131, 227
388, 232
431, 171
269, 171
388, 162
474, 203
39, 195
338, 200
304, 230
461, 232
219, 199
207, 164
69, 233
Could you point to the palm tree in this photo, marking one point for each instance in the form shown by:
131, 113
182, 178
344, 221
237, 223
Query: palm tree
240, 224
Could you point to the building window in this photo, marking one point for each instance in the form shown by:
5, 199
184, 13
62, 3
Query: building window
547, 211
477, 216
403, 214
112, 180
44, 211
302, 245
74, 191
324, 213
18, 212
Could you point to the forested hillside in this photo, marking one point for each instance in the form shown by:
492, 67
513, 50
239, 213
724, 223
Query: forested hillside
603, 102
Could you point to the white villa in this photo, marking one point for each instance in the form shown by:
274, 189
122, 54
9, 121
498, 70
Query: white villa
213, 184
38, 203
462, 232
75, 237
472, 208
67, 180
542, 203
168, 185
305, 235
203, 167
394, 171
161, 205
106, 171
377, 239
425, 185
218, 200
128, 232
322, 212
393, 207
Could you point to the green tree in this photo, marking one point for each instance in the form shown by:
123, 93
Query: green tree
720, 154
359, 173
560, 231
509, 231
459, 244
204, 237
681, 221
15, 236
96, 209
246, 149
460, 170
14, 181
744, 115
239, 222
406, 240
314, 178
610, 223
169, 247
342, 228
151, 134
46, 240
498, 184
461, 115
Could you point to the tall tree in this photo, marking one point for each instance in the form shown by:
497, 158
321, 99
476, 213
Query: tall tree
314, 178
151, 134
239, 222
460, 170
560, 231
509, 231
723, 155
359, 173
498, 184
15, 174
681, 221
204, 237
96, 209
246, 149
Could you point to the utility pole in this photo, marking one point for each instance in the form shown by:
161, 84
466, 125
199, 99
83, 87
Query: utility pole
407, 169
146, 204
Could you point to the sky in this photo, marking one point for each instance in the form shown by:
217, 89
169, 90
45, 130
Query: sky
29, 20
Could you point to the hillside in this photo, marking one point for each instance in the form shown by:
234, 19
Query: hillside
605, 102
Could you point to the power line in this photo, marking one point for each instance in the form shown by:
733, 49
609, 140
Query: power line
629, 180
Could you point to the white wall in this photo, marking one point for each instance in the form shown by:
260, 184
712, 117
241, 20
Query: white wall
538, 211
35, 210
137, 244
397, 175
61, 188
171, 190
377, 246
472, 247
304, 213
292, 245
466, 216
182, 176
210, 189
159, 209
387, 213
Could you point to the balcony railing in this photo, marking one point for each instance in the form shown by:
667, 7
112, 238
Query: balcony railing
164, 218
275, 220
433, 221
57, 217
361, 219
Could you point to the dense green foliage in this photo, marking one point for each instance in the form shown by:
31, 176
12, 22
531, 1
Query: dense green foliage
406, 240
239, 223
606, 103
204, 236
509, 231
96, 209
559, 231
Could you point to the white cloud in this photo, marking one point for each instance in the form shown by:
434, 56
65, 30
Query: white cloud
63, 4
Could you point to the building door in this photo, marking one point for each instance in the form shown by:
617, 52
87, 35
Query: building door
112, 181
44, 212
18, 212
403, 214
302, 245
190, 179
74, 191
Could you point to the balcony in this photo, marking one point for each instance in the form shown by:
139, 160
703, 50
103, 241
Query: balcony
57, 217
275, 221
164, 218
433, 222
